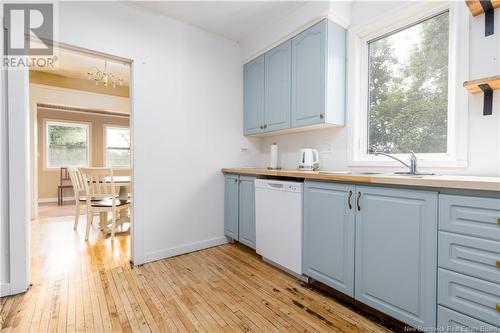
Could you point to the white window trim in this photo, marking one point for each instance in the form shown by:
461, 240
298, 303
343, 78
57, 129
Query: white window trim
46, 123
358, 37
105, 144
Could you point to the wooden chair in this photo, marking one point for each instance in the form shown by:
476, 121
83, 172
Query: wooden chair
100, 185
64, 180
79, 192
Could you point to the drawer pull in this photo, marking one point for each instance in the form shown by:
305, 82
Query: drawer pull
498, 263
498, 307
498, 220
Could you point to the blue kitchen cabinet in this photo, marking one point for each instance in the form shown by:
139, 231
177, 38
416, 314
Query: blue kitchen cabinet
247, 211
328, 251
469, 261
277, 87
231, 205
299, 84
253, 96
318, 75
396, 246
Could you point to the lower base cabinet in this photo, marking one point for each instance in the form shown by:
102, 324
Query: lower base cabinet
239, 209
376, 244
328, 233
451, 321
396, 253
469, 263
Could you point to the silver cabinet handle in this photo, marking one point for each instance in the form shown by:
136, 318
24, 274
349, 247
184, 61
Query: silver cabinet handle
349, 200
322, 115
358, 199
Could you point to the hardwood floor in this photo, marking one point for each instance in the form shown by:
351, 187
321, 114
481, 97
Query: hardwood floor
79, 286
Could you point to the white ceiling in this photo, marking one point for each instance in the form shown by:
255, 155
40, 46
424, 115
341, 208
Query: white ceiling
231, 19
76, 65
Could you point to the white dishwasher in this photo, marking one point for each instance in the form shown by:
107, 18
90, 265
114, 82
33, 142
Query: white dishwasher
278, 223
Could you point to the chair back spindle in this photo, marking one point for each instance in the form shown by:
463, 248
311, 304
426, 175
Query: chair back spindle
99, 183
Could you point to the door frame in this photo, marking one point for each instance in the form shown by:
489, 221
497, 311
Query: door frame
18, 177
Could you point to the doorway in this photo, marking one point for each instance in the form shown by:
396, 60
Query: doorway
79, 117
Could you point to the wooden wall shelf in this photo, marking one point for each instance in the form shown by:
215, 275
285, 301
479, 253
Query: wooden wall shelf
473, 86
487, 7
476, 8
486, 86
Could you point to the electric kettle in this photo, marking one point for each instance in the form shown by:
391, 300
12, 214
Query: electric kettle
309, 159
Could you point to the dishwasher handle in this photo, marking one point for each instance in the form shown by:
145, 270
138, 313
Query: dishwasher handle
275, 185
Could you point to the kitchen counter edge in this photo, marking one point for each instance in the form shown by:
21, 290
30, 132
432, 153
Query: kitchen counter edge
475, 183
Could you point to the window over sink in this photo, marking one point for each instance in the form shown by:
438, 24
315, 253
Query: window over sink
408, 89
405, 89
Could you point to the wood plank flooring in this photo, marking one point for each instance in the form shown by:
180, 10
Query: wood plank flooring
91, 287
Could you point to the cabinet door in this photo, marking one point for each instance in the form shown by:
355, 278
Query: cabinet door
247, 211
253, 95
231, 206
329, 234
309, 76
396, 251
277, 96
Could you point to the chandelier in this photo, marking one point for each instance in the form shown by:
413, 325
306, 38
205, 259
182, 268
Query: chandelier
104, 77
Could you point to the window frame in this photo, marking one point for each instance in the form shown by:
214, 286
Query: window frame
105, 145
47, 122
358, 83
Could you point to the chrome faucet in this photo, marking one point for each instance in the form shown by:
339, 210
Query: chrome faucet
413, 162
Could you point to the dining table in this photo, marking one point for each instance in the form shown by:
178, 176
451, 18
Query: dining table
123, 182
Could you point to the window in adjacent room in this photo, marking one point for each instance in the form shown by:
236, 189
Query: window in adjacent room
408, 89
67, 144
117, 147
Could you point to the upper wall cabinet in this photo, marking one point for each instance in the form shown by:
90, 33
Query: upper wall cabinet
318, 75
277, 97
303, 81
253, 96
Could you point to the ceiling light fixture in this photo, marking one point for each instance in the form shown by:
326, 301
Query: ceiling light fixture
104, 77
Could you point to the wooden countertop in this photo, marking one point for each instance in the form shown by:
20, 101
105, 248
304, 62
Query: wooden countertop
438, 181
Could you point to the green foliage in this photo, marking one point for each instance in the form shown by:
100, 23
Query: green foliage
408, 102
62, 135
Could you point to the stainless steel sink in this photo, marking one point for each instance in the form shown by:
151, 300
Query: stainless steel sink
413, 174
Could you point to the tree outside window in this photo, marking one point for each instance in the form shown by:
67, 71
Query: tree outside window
408, 89
66, 144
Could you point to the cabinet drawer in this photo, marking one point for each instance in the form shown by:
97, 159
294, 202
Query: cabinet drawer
476, 298
452, 321
470, 215
469, 255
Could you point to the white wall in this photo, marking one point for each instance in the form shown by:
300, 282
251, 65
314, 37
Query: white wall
483, 133
187, 119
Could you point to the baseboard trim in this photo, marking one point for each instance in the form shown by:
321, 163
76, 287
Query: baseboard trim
47, 200
4, 289
175, 251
